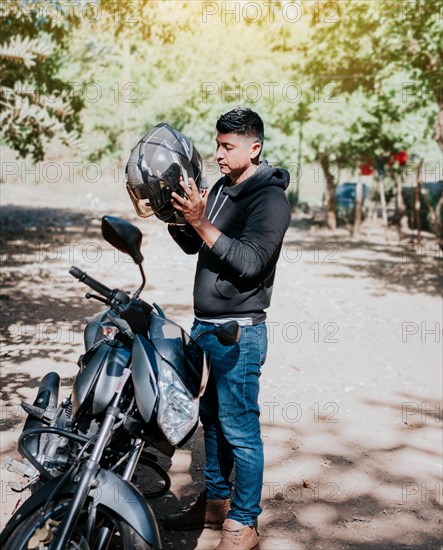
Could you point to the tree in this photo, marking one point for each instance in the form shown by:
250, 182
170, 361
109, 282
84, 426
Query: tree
121, 52
369, 55
36, 104
189, 90
45, 70
371, 40
337, 137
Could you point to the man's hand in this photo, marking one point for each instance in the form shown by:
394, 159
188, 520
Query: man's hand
192, 206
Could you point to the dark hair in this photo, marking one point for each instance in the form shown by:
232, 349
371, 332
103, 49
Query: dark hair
242, 121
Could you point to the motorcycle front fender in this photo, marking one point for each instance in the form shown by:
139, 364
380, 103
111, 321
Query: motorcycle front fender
112, 492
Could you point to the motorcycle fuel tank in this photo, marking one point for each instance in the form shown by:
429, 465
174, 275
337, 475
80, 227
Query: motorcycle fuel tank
101, 369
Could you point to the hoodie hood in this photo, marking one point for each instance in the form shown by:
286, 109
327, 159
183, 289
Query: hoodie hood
265, 176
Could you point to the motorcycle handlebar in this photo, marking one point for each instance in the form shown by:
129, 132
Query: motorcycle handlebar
92, 283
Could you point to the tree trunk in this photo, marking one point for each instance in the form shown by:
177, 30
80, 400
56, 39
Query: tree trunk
381, 191
402, 219
300, 141
331, 219
358, 202
438, 127
126, 93
418, 189
436, 224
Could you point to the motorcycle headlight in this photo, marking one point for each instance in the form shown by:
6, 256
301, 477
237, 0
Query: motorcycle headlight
177, 409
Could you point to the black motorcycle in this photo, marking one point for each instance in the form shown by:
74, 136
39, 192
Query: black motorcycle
138, 384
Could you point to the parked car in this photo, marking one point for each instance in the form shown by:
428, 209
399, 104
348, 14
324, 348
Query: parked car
433, 190
345, 195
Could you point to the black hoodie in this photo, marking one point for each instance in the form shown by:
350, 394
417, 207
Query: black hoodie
234, 278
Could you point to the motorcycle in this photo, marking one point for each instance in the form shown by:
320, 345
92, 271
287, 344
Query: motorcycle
139, 384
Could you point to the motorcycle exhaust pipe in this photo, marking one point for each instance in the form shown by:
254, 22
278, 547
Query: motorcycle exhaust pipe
46, 400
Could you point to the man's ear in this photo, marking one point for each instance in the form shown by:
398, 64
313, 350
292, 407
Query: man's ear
255, 150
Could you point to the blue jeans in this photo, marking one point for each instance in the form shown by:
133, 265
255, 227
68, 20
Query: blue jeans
230, 413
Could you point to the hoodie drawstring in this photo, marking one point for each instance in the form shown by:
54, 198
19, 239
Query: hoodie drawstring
215, 202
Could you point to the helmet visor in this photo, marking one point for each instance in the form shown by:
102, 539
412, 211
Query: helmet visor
141, 205
155, 193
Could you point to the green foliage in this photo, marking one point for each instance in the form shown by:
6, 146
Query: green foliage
351, 69
140, 82
374, 43
293, 199
35, 103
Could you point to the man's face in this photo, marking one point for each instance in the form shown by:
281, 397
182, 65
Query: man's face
235, 153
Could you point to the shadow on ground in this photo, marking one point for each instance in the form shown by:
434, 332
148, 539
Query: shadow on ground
327, 512
400, 267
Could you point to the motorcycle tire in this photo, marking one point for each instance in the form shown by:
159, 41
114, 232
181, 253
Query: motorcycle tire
124, 537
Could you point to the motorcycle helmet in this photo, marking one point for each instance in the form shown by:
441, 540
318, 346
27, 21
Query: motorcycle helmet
154, 168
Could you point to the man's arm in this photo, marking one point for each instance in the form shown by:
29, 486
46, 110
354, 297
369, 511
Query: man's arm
262, 236
265, 227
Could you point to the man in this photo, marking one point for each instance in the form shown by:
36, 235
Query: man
237, 231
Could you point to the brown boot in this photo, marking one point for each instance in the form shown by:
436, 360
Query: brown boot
236, 536
204, 513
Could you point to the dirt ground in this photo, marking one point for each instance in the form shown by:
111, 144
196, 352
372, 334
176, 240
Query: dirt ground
350, 394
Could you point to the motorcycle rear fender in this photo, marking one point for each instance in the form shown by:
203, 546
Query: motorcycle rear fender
119, 496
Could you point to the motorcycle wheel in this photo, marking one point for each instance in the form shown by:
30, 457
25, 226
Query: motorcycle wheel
37, 531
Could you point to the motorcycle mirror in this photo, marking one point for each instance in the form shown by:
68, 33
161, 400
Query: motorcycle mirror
123, 236
227, 334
